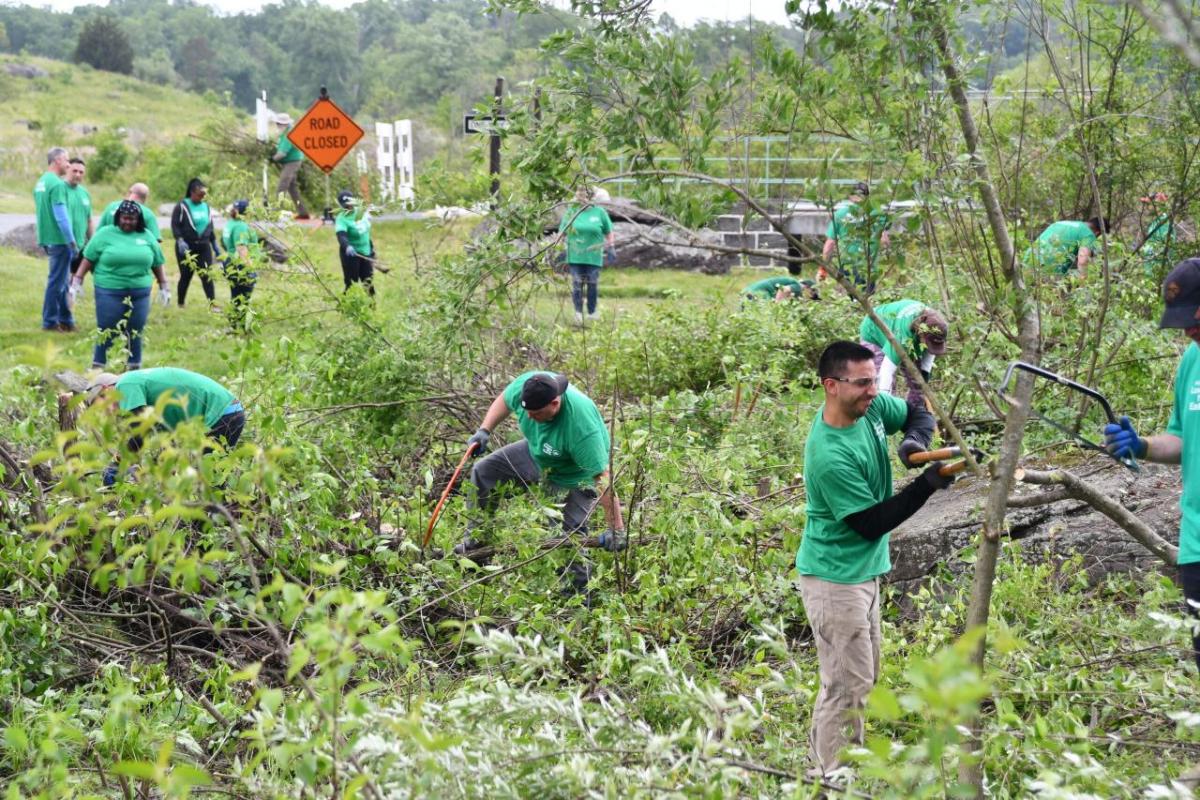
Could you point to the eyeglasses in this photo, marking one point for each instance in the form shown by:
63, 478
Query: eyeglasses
858, 383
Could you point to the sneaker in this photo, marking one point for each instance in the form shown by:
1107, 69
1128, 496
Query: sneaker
65, 327
592, 317
578, 317
214, 308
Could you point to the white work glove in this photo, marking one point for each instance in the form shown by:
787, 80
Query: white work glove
73, 292
351, 252
164, 296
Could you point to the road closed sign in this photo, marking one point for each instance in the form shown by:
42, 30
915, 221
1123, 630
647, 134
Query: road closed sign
325, 134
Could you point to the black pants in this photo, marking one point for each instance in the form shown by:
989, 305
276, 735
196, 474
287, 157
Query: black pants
1189, 575
357, 270
197, 261
229, 428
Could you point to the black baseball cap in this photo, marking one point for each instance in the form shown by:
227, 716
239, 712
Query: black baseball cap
344, 197
862, 189
1181, 295
540, 390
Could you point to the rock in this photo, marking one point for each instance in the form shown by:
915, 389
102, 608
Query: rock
23, 238
276, 250
929, 543
25, 71
660, 246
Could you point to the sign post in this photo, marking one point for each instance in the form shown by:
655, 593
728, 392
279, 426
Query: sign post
491, 125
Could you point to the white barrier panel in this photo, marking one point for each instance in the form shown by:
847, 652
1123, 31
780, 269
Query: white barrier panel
394, 159
262, 118
404, 160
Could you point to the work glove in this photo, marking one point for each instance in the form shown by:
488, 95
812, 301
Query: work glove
1122, 440
182, 247
934, 478
351, 252
73, 292
481, 438
613, 541
907, 449
164, 296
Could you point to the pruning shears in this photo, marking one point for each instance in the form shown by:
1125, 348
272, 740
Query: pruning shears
1129, 462
944, 454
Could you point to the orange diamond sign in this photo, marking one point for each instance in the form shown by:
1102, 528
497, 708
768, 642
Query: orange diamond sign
325, 134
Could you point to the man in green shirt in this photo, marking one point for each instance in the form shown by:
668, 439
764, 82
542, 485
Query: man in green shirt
855, 236
79, 204
1160, 235
1068, 244
189, 395
140, 194
566, 449
844, 550
290, 159
921, 332
57, 238
780, 288
1180, 444
352, 227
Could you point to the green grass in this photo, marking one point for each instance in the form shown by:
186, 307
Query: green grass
62, 108
196, 338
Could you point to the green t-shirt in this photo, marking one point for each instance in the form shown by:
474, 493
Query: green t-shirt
357, 230
847, 470
79, 209
200, 214
236, 233
49, 191
290, 151
898, 317
198, 395
123, 260
572, 448
857, 236
1185, 423
586, 230
767, 287
1058, 246
109, 217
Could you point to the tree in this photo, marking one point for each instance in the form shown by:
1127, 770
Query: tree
103, 44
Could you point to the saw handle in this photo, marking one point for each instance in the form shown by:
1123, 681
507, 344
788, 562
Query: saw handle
935, 455
952, 469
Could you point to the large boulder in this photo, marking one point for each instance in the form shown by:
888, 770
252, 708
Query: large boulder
930, 544
23, 238
668, 247
25, 71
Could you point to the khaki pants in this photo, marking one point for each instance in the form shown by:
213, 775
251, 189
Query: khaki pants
845, 623
288, 182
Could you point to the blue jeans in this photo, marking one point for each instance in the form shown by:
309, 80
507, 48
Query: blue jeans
54, 305
581, 274
121, 312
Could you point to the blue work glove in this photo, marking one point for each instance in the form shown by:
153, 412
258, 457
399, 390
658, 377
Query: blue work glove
613, 541
351, 252
480, 438
110, 475
1122, 440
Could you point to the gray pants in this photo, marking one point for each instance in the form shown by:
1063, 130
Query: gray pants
512, 464
288, 182
845, 625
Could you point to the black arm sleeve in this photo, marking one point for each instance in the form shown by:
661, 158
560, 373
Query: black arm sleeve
177, 226
343, 240
872, 523
919, 425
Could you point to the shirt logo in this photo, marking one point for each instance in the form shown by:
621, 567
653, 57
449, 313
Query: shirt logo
1194, 396
549, 451
880, 433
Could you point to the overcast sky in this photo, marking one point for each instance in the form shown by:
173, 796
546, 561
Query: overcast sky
683, 11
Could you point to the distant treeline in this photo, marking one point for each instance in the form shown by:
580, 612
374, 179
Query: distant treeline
383, 58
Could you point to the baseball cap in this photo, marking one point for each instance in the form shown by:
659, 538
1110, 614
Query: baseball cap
98, 384
933, 329
541, 389
240, 206
344, 196
1181, 295
861, 189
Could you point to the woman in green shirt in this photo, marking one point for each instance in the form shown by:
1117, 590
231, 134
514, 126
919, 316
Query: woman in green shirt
589, 239
355, 248
241, 251
195, 242
126, 260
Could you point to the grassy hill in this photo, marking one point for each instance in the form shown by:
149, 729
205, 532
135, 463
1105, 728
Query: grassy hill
76, 106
